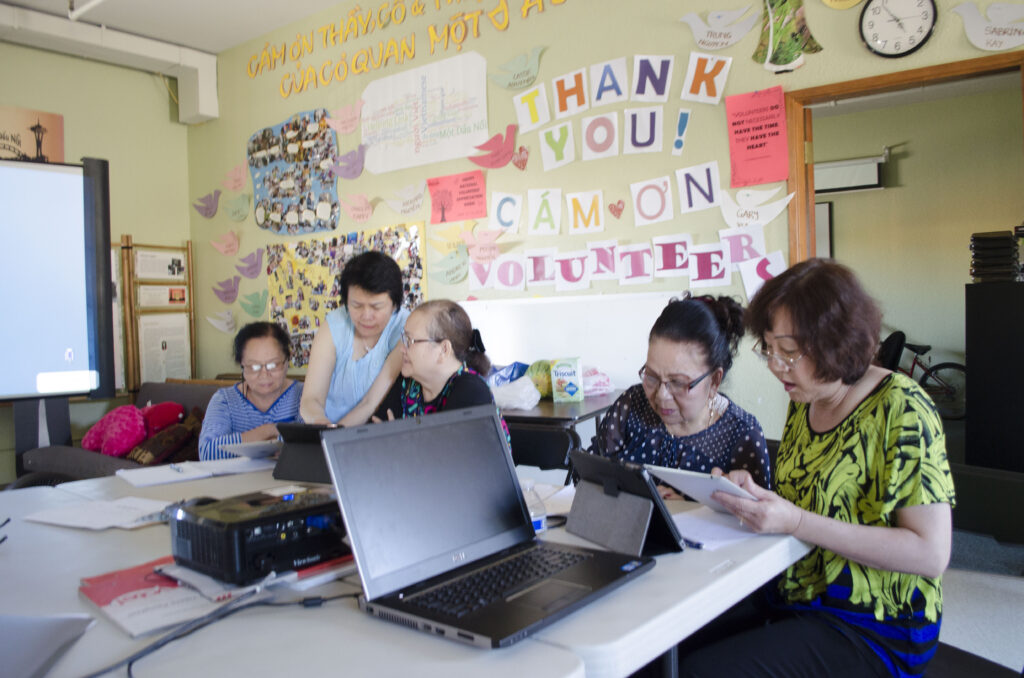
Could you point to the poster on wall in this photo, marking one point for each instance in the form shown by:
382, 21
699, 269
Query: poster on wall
293, 168
164, 348
304, 277
31, 135
425, 115
758, 146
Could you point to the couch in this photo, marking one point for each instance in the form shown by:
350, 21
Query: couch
60, 463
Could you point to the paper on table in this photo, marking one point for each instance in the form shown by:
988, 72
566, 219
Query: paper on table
559, 502
126, 512
709, 528
193, 470
162, 474
33, 644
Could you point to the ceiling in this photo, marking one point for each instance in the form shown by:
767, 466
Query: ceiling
210, 26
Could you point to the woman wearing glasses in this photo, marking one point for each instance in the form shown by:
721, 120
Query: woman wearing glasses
675, 416
861, 475
442, 363
250, 410
355, 355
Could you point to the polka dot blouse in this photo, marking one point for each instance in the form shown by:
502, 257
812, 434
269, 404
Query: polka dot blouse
632, 431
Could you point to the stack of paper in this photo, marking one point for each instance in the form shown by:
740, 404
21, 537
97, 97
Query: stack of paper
126, 512
192, 470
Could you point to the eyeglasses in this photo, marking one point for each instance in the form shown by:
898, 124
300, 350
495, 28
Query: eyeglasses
785, 362
256, 368
410, 342
653, 382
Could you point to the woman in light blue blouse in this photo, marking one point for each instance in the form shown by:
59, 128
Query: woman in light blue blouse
250, 410
355, 356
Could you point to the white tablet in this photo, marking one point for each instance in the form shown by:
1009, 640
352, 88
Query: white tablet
700, 486
255, 450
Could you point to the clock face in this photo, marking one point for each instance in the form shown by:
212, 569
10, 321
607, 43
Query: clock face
896, 28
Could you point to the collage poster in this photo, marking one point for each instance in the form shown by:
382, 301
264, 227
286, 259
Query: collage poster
304, 277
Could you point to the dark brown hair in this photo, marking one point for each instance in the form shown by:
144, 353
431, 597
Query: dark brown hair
448, 320
835, 321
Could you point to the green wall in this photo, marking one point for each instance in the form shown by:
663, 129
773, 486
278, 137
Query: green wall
956, 169
128, 118
160, 166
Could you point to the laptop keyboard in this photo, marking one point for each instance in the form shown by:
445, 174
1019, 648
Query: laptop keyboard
497, 581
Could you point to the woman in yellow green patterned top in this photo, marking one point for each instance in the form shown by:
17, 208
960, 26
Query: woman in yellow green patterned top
861, 475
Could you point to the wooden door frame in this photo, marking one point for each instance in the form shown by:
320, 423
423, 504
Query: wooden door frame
801, 133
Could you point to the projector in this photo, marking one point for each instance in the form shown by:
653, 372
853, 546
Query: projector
244, 538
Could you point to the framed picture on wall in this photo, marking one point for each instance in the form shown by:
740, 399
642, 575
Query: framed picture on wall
823, 230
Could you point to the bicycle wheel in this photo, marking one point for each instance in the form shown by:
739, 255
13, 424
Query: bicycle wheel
946, 384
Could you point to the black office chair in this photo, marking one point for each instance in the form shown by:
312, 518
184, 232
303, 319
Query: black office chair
891, 350
543, 447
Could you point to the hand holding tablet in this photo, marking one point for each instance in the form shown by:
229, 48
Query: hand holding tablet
700, 486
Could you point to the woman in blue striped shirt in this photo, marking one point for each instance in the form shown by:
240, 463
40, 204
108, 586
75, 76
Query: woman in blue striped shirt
250, 410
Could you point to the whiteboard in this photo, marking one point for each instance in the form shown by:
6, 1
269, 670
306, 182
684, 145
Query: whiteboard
606, 331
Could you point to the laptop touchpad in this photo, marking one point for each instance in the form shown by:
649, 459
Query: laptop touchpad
551, 595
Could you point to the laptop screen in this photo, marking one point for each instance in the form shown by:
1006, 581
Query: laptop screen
423, 496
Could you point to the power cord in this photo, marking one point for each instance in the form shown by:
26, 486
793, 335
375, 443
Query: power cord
222, 612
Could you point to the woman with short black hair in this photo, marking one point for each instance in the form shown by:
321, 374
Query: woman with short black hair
355, 355
250, 410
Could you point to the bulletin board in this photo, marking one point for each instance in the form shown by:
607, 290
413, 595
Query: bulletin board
159, 335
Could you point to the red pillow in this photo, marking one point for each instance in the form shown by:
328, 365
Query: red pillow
117, 432
161, 415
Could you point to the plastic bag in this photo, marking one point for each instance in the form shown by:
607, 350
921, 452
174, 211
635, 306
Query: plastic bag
520, 394
596, 382
499, 376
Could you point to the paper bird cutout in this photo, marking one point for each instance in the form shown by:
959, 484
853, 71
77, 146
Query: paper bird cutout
254, 304
518, 72
351, 164
253, 264
785, 36
1000, 29
499, 149
345, 120
223, 321
481, 246
358, 207
234, 180
227, 244
207, 205
450, 238
227, 290
409, 199
237, 208
520, 157
452, 268
747, 208
722, 29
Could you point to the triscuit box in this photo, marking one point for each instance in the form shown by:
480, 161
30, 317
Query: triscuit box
566, 380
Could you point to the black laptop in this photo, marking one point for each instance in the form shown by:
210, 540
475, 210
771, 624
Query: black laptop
442, 536
301, 458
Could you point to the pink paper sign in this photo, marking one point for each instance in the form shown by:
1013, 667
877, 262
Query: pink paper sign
457, 197
757, 137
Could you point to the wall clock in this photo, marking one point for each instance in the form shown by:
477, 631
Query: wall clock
896, 28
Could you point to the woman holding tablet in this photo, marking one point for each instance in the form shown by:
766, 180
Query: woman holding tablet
442, 363
675, 416
355, 355
249, 411
862, 475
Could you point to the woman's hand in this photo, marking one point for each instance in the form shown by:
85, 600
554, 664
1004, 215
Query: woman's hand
770, 514
262, 432
377, 420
